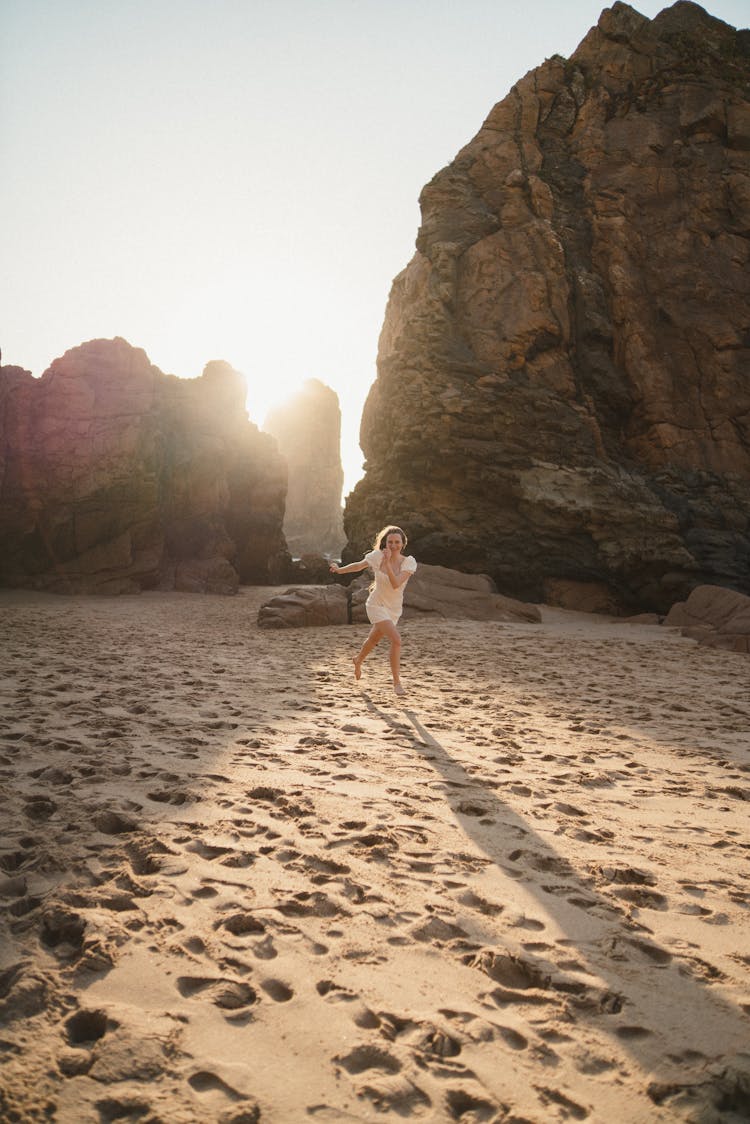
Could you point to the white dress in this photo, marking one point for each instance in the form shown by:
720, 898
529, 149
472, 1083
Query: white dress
386, 603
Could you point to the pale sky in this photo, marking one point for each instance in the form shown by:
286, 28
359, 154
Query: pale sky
238, 179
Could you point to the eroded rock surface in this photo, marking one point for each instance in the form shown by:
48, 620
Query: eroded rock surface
563, 390
308, 430
116, 477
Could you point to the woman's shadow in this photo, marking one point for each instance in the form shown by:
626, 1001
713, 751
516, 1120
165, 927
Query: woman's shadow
657, 1005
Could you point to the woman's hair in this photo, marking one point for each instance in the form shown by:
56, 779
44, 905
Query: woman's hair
382, 536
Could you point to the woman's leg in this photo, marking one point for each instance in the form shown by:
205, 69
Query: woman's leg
390, 630
375, 636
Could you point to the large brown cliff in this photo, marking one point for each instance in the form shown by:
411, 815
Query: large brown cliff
563, 388
116, 477
308, 430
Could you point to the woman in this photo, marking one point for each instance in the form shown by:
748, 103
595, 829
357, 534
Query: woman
386, 601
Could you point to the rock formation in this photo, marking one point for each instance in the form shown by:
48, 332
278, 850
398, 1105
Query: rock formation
719, 618
433, 591
563, 390
115, 477
308, 430
306, 607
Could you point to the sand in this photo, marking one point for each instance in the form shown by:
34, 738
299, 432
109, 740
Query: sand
237, 886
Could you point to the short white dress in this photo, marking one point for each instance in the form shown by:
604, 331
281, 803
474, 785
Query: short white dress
386, 603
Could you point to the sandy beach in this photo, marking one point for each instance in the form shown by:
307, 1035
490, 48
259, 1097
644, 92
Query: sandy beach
237, 886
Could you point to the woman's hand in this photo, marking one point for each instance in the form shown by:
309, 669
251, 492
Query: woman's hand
334, 567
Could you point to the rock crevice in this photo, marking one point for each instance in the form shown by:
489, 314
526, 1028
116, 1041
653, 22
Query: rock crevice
308, 431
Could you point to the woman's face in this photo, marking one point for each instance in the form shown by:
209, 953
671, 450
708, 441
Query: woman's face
394, 543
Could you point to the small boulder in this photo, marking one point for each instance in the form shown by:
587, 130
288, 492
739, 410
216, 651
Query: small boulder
306, 607
712, 615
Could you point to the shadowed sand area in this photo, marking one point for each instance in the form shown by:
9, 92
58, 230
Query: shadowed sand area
237, 885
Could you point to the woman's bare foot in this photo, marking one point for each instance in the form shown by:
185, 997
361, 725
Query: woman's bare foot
398, 688
357, 667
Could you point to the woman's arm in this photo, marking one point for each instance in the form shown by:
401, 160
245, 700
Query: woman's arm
352, 568
396, 580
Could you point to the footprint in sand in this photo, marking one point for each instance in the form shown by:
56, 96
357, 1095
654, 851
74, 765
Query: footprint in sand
241, 924
228, 994
367, 1057
511, 971
265, 949
306, 904
334, 993
465, 1106
397, 1094
642, 897
62, 930
204, 892
277, 990
436, 930
243, 1110
512, 1038
555, 1097
39, 808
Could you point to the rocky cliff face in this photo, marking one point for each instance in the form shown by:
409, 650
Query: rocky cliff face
563, 388
308, 430
115, 477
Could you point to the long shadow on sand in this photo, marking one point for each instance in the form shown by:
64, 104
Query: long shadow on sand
659, 1007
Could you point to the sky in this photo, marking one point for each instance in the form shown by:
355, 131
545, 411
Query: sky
239, 179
